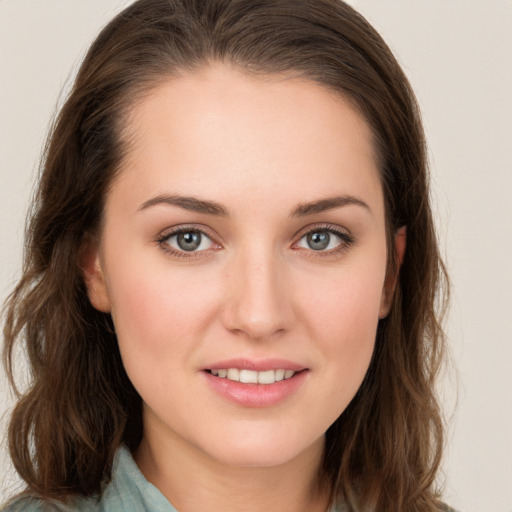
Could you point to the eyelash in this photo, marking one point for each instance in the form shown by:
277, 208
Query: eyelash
346, 241
162, 242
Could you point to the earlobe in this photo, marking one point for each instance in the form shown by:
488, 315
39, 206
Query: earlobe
94, 278
392, 273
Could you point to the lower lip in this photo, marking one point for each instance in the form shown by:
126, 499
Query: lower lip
256, 395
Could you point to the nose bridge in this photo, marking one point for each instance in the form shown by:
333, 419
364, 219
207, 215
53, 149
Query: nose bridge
258, 303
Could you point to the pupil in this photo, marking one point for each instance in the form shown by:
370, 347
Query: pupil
318, 240
189, 240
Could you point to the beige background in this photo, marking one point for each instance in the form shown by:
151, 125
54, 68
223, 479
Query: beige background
458, 55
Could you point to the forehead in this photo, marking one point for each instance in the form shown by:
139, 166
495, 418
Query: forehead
272, 134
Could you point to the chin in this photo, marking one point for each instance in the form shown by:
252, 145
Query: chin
256, 459
264, 451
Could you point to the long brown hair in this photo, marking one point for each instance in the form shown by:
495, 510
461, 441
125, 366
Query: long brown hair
383, 452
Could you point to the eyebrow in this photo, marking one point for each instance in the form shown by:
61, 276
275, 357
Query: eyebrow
192, 204
330, 203
195, 204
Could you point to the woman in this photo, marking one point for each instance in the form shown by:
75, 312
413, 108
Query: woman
229, 287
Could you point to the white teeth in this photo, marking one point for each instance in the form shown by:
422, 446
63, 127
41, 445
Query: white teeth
268, 377
233, 374
279, 375
253, 377
248, 377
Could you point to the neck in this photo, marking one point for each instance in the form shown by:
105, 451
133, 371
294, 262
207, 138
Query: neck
191, 480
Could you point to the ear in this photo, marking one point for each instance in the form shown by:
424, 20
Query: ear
93, 275
392, 272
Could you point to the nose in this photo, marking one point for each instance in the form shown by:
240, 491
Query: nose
259, 303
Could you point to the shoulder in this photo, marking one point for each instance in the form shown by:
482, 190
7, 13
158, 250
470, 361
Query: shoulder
32, 504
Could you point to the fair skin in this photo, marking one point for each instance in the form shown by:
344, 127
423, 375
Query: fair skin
279, 263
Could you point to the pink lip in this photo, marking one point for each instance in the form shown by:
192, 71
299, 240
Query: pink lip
256, 365
256, 395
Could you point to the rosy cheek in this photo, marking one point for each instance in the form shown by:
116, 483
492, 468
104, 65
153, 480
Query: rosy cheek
344, 318
157, 305
348, 298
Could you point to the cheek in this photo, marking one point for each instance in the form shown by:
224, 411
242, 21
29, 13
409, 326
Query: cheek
344, 303
343, 320
157, 313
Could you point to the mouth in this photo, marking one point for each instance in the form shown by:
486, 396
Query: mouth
257, 382
246, 376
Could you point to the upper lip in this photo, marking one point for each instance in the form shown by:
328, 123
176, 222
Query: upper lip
258, 365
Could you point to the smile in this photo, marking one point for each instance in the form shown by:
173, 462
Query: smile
256, 388
253, 377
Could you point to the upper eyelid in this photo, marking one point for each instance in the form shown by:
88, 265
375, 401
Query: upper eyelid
338, 230
183, 228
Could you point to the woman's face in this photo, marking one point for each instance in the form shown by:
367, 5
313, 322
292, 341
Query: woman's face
243, 242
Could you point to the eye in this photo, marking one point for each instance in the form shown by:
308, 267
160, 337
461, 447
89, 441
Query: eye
324, 240
187, 240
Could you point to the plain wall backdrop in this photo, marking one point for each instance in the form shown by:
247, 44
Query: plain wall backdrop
458, 56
